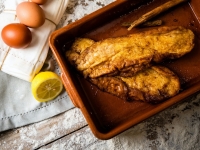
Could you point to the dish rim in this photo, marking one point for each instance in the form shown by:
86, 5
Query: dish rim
75, 96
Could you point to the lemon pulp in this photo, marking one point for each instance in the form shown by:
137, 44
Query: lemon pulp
46, 86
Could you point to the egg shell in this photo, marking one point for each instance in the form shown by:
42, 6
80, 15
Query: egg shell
39, 2
30, 14
16, 35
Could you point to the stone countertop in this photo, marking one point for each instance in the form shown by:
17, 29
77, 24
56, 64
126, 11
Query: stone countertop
177, 127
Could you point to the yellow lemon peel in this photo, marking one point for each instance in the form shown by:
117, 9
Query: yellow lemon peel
46, 86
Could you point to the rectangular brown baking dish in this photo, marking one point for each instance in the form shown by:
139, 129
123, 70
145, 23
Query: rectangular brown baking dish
108, 115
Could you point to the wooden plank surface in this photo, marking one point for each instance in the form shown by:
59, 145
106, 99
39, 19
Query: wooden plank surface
41, 133
175, 128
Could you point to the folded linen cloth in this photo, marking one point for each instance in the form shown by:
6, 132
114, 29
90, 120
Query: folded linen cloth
19, 108
25, 63
17, 66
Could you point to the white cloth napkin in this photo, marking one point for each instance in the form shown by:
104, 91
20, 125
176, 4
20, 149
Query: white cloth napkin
25, 63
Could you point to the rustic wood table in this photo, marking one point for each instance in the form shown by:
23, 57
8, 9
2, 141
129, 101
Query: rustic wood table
177, 127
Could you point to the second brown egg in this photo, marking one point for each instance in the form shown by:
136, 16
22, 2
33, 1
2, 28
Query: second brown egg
30, 14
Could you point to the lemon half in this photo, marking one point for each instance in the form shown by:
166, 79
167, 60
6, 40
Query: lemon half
46, 86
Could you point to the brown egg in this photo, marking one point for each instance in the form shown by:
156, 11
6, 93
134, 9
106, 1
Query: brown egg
16, 35
39, 2
30, 14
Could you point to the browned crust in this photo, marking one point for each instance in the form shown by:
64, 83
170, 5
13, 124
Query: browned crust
117, 73
121, 88
112, 85
94, 61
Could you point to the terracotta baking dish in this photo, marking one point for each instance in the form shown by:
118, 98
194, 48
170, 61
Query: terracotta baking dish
108, 115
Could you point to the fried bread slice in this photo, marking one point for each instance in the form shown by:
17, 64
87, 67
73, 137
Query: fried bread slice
153, 84
77, 48
127, 55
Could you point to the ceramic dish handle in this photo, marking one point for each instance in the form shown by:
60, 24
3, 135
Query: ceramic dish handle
69, 90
